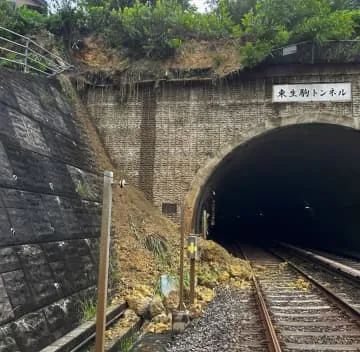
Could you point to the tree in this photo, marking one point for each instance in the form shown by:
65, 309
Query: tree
20, 19
238, 8
66, 20
275, 23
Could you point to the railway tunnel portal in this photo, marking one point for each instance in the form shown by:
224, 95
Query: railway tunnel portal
298, 183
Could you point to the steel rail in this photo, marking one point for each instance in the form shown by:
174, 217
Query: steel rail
314, 42
38, 70
274, 344
27, 65
329, 264
337, 300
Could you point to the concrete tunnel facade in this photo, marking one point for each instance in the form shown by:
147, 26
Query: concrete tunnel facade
176, 140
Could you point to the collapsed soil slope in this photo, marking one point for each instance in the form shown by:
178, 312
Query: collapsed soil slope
136, 224
145, 245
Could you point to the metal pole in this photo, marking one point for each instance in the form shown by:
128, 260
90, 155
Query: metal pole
104, 262
204, 224
181, 267
26, 69
192, 281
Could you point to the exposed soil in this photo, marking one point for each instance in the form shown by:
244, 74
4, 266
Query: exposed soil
134, 218
214, 59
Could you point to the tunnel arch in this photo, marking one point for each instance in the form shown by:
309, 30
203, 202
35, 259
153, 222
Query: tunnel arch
200, 185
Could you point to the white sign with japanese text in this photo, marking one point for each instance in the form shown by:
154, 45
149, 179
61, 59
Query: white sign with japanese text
287, 93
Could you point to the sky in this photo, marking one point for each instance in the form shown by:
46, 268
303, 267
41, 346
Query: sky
200, 4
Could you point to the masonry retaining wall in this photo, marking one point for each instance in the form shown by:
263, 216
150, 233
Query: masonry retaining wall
49, 213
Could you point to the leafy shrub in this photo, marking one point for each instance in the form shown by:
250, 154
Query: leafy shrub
274, 23
156, 31
10, 64
20, 19
67, 21
253, 53
150, 31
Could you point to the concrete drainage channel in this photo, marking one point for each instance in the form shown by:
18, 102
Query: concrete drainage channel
84, 335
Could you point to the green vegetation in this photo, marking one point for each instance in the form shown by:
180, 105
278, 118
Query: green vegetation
156, 31
157, 246
88, 309
21, 20
127, 342
274, 23
158, 28
81, 188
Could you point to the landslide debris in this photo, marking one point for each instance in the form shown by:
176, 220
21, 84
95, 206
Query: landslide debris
145, 244
215, 267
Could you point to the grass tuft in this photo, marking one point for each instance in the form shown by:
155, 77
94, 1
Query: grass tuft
88, 309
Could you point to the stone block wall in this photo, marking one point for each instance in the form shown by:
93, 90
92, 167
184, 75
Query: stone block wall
161, 135
49, 213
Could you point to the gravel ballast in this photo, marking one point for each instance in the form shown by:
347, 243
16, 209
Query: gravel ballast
230, 323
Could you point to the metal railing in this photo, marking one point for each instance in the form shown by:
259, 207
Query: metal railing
310, 52
18, 51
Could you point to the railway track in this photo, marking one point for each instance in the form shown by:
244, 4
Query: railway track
252, 335
339, 283
284, 310
302, 316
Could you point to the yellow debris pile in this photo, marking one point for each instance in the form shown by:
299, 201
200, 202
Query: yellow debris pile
139, 299
214, 267
122, 325
300, 284
217, 266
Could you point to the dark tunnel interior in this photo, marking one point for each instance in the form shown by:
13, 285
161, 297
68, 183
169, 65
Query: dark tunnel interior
299, 184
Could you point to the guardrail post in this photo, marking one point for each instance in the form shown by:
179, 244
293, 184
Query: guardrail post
104, 262
26, 68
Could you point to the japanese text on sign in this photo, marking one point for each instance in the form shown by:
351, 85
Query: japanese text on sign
286, 93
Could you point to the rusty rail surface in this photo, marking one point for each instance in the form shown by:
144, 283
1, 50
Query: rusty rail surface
334, 297
274, 345
313, 330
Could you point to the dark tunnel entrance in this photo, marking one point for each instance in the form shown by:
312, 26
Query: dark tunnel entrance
299, 184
